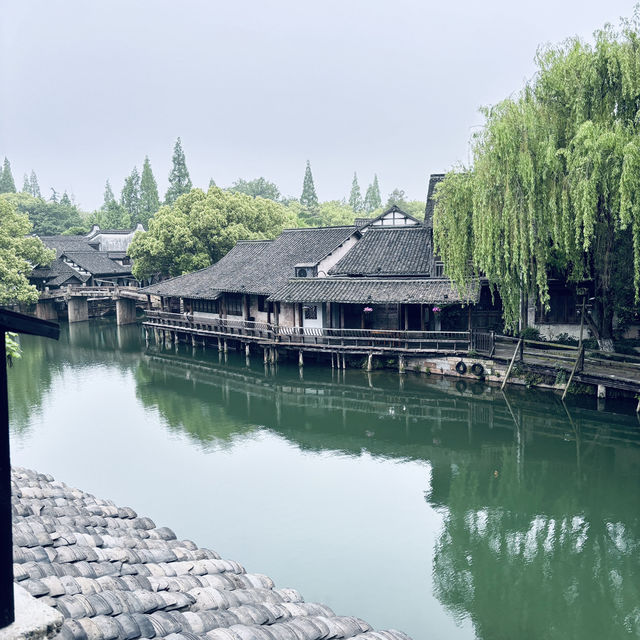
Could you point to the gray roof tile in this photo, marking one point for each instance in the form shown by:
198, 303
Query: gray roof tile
373, 291
94, 580
96, 262
393, 251
257, 267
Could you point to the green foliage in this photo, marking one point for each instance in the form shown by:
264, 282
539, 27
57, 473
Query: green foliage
372, 199
130, 196
531, 333
179, 180
309, 198
257, 188
149, 199
200, 228
332, 213
397, 198
7, 185
12, 347
48, 218
355, 197
112, 215
556, 175
19, 252
34, 186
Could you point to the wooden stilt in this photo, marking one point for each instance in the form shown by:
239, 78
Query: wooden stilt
370, 362
513, 359
573, 371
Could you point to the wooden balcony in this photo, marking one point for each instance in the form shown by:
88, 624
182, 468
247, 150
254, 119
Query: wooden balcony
324, 339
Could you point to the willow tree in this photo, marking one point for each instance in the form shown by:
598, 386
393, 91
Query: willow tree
555, 183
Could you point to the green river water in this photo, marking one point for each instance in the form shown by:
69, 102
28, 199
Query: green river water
445, 512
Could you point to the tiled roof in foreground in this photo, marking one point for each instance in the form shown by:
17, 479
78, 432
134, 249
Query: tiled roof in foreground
373, 291
115, 576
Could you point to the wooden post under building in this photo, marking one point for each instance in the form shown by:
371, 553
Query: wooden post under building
17, 323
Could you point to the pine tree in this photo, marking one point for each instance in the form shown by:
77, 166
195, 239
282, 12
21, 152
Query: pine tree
26, 185
149, 200
212, 183
65, 200
108, 195
54, 196
112, 214
130, 195
372, 199
7, 185
35, 187
179, 180
355, 198
308, 199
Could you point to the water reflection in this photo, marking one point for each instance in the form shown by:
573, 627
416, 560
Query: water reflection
540, 539
541, 531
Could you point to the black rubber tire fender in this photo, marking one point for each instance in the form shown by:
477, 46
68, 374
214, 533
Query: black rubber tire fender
477, 369
461, 368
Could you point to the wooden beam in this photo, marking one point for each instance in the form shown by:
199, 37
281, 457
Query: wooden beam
22, 323
6, 544
573, 371
513, 359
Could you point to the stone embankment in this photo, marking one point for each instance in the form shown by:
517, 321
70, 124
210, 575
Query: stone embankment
114, 575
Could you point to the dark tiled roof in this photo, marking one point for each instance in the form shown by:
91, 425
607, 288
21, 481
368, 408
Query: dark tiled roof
67, 243
393, 251
57, 273
362, 222
96, 263
370, 290
260, 267
237, 265
114, 575
428, 213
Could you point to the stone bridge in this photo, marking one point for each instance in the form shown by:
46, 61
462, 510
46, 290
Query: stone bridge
77, 299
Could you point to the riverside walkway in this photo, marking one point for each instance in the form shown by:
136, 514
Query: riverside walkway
114, 575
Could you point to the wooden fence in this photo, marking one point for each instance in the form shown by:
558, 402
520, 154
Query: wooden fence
379, 340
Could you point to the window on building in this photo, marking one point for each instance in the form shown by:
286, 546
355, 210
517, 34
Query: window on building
262, 303
234, 305
439, 269
204, 306
311, 312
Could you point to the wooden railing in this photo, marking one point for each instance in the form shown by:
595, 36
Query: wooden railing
358, 339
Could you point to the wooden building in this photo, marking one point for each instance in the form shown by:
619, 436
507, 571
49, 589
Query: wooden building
378, 274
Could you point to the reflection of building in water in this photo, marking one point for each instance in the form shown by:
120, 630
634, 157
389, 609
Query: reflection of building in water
539, 536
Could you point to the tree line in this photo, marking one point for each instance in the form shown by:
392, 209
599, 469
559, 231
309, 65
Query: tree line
139, 200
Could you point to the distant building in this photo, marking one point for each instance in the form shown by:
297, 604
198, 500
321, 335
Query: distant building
98, 258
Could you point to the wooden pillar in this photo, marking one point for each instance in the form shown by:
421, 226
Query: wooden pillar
223, 306
342, 316
245, 306
406, 317
224, 346
329, 314
247, 351
370, 362
6, 546
421, 317
468, 317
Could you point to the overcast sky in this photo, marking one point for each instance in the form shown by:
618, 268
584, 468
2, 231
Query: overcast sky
257, 88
